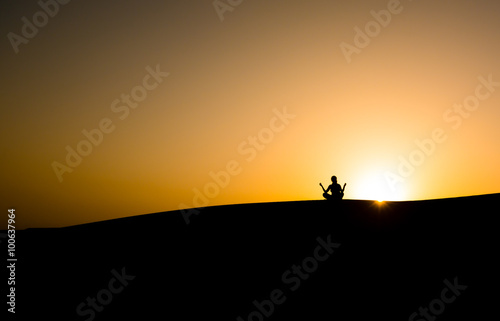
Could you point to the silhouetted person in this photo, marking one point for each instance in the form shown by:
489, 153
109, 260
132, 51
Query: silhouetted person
337, 192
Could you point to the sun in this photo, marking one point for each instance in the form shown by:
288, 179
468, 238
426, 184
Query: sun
375, 187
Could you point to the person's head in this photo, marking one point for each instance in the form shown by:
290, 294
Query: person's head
334, 179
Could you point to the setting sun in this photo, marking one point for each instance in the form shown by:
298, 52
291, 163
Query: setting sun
373, 186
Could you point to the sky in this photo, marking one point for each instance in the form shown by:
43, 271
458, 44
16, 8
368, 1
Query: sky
120, 108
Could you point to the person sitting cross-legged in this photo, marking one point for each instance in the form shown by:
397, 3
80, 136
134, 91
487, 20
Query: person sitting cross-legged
337, 192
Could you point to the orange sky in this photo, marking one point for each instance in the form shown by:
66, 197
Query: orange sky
206, 103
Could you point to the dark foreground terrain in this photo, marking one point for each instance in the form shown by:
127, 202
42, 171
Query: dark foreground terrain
306, 260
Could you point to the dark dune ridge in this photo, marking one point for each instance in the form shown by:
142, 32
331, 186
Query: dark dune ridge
309, 260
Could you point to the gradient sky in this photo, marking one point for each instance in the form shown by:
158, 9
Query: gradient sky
356, 115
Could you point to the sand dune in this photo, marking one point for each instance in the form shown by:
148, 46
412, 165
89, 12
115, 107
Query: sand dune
309, 260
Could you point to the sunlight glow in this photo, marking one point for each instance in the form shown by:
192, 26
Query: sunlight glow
374, 187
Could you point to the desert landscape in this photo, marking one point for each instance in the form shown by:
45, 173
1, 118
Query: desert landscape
313, 260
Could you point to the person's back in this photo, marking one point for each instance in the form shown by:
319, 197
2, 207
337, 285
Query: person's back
337, 192
335, 188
